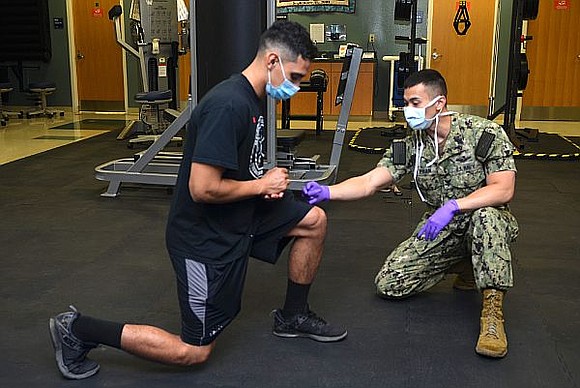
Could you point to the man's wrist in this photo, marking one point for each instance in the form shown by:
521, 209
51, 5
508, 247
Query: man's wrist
259, 186
456, 208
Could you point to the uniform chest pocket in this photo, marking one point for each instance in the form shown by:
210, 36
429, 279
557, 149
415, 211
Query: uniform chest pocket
467, 175
428, 180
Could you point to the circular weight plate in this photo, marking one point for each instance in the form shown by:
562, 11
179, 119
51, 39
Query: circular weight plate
524, 71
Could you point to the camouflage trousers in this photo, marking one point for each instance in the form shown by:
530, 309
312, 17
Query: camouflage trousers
483, 236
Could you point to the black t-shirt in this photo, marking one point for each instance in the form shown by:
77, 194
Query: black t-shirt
226, 129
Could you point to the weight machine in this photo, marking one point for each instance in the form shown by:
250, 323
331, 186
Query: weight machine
303, 170
157, 42
155, 167
517, 71
406, 63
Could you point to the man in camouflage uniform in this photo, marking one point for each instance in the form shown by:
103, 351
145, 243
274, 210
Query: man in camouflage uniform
465, 173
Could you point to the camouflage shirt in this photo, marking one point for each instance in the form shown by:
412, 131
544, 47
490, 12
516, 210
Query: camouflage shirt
458, 172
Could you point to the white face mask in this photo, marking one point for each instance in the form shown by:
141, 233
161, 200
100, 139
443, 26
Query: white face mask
416, 116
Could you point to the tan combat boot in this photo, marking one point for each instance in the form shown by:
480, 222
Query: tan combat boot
492, 340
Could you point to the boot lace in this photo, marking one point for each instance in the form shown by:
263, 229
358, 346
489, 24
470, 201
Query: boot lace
494, 315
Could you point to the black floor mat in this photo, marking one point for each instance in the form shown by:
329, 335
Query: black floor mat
375, 140
62, 243
549, 146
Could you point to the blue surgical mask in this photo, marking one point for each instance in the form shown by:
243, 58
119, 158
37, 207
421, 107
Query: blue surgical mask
283, 91
416, 116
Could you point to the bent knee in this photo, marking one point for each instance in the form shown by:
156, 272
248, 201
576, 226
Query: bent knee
192, 355
315, 220
488, 217
392, 293
388, 287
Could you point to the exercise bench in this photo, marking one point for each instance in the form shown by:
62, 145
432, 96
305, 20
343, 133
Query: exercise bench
317, 84
152, 117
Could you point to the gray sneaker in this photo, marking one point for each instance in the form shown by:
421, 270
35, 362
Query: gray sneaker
307, 325
71, 352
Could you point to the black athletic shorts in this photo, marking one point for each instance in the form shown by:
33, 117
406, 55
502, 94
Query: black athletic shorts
210, 294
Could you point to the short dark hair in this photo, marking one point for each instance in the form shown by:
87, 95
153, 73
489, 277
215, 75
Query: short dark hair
432, 79
291, 38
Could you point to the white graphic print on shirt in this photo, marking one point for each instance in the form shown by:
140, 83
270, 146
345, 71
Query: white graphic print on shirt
257, 156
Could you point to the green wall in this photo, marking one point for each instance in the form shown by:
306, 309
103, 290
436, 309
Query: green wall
376, 17
56, 70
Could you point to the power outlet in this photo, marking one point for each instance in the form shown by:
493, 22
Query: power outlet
371, 38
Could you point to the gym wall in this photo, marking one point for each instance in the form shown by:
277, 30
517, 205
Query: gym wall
371, 16
57, 69
376, 17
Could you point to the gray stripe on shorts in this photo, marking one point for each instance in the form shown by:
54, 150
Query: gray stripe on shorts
197, 288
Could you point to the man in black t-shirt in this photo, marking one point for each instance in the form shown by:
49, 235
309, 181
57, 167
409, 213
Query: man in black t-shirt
225, 209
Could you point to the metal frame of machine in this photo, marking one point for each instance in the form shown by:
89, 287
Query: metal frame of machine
327, 173
154, 167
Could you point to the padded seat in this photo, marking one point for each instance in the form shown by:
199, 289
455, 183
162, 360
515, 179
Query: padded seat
42, 86
151, 116
6, 87
154, 97
288, 139
43, 89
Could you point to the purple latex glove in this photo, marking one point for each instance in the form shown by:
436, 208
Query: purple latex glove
315, 193
439, 220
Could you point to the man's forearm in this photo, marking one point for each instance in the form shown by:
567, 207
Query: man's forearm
229, 190
361, 186
351, 189
492, 195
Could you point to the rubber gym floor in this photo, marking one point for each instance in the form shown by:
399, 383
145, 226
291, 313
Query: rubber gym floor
63, 244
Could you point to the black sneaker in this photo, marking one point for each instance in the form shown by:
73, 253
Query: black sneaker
307, 325
71, 352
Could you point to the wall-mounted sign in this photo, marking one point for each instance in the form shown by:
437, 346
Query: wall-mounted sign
561, 4
58, 23
97, 11
286, 6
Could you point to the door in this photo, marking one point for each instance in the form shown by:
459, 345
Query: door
184, 70
98, 57
464, 60
554, 60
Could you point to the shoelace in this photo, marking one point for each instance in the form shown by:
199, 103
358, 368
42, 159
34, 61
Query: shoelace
67, 337
492, 330
493, 312
316, 320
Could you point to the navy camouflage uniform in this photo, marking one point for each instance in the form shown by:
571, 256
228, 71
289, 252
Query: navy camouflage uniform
482, 235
